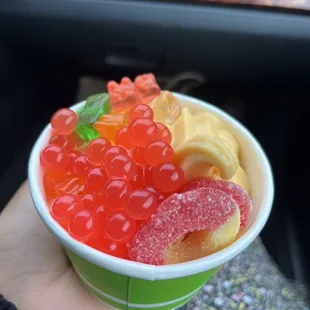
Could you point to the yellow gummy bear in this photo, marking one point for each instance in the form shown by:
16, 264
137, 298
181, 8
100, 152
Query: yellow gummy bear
166, 108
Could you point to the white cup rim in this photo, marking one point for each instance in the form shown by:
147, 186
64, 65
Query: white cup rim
143, 271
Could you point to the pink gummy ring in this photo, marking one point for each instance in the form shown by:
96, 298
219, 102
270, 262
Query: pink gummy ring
199, 209
241, 197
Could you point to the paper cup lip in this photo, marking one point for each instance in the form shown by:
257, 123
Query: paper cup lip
144, 271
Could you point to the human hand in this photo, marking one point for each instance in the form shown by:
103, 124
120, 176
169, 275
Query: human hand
34, 271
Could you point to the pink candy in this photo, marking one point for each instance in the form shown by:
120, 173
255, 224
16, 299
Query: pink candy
199, 209
241, 197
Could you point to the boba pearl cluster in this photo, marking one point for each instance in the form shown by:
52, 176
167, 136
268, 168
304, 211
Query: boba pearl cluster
110, 177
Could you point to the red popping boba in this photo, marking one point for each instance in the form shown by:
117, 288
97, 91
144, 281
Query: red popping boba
158, 152
108, 246
119, 227
141, 204
65, 206
111, 152
64, 121
121, 166
168, 177
115, 192
54, 157
164, 133
122, 139
96, 150
141, 131
83, 225
140, 111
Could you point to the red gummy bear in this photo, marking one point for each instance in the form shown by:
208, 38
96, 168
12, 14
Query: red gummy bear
122, 95
128, 94
146, 87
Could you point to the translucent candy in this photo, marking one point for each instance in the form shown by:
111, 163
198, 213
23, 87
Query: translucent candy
64, 121
166, 107
241, 197
119, 227
140, 111
168, 177
73, 154
95, 180
164, 133
90, 200
158, 152
160, 196
107, 246
138, 155
122, 139
141, 204
54, 157
109, 124
80, 166
201, 209
138, 179
86, 132
67, 142
148, 175
101, 212
83, 225
122, 95
146, 87
96, 150
65, 206
141, 131
96, 105
121, 166
73, 185
111, 152
114, 194
52, 180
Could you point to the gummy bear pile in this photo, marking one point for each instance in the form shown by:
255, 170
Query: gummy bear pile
135, 174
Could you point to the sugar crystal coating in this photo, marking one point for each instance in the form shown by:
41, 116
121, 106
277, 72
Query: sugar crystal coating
241, 197
199, 209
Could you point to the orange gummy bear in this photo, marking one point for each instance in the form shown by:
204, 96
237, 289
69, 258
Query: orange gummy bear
109, 124
59, 183
146, 87
122, 95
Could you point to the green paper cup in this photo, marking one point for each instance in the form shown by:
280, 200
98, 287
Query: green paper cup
125, 284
